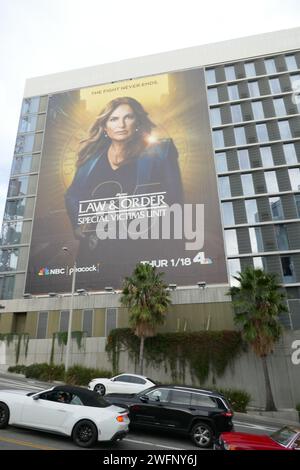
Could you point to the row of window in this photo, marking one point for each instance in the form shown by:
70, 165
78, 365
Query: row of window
266, 158
252, 213
239, 113
270, 183
250, 69
251, 89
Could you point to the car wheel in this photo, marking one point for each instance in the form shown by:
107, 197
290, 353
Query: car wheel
99, 388
4, 415
85, 433
202, 435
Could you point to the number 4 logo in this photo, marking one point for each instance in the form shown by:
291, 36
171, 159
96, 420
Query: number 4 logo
200, 258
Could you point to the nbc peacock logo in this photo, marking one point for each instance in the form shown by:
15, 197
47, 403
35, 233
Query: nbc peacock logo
44, 272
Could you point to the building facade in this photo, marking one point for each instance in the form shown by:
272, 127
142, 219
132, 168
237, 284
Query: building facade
250, 94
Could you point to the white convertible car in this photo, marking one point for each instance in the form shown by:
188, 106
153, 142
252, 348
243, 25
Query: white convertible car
72, 411
123, 383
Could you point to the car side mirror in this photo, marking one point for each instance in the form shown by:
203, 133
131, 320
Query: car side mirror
144, 398
35, 397
157, 398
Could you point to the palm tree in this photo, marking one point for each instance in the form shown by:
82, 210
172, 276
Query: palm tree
257, 303
146, 297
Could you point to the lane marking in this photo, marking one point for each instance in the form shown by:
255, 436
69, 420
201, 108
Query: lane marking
152, 444
26, 443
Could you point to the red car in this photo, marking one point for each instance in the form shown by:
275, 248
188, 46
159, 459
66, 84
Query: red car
286, 438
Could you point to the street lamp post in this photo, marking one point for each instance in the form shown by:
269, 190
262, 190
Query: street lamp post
69, 339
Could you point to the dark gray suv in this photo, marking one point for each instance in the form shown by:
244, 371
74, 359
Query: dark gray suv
200, 414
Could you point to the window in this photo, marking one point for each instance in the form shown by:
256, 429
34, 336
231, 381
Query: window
14, 209
279, 106
215, 116
297, 202
259, 263
203, 400
290, 154
262, 132
244, 162
21, 164
221, 162
258, 110
234, 267
247, 184
228, 214
11, 233
24, 143
250, 69
294, 174
18, 186
9, 259
276, 208
253, 88
180, 398
42, 325
271, 182
218, 139
210, 75
7, 284
230, 72
291, 63
251, 211
275, 85
270, 66
240, 136
64, 320
123, 378
288, 270
30, 105
284, 129
266, 156
256, 239
212, 94
295, 81
87, 322
27, 124
233, 92
231, 242
236, 113
111, 320
282, 237
224, 187
159, 394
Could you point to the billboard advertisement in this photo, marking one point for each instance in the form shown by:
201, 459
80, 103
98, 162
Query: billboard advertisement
127, 175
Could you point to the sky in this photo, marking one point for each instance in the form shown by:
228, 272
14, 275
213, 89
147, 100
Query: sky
40, 37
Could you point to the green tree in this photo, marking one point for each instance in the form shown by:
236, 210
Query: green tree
257, 302
145, 295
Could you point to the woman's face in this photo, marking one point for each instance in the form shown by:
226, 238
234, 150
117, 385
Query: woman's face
121, 124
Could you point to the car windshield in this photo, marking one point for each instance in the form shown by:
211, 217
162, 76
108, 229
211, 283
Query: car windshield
283, 436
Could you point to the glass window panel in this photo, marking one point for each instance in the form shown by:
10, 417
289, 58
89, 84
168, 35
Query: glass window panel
11, 233
14, 209
284, 129
262, 132
30, 105
210, 75
218, 139
215, 116
224, 187
244, 162
64, 320
290, 154
234, 267
247, 184
212, 94
295, 82
258, 110
249, 69
87, 324
266, 156
42, 325
9, 259
230, 72
256, 239
236, 113
111, 320
240, 136
275, 85
276, 208
253, 88
291, 63
231, 242
24, 143
297, 202
221, 162
271, 182
7, 284
228, 214
21, 164
251, 211
259, 263
294, 174
270, 66
282, 237
288, 270
27, 124
233, 92
18, 186
279, 106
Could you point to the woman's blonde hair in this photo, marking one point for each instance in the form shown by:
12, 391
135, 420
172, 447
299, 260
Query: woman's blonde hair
98, 141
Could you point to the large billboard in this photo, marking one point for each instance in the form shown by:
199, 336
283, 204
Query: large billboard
127, 175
